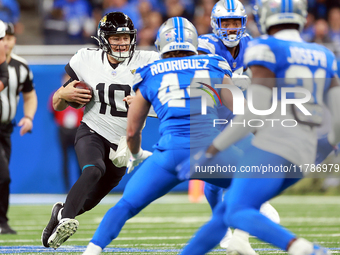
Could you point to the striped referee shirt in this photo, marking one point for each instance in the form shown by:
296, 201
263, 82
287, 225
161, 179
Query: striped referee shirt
20, 80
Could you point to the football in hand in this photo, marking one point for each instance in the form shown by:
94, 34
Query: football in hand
80, 85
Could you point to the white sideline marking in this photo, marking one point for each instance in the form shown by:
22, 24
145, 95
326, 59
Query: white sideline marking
16, 199
314, 229
203, 219
310, 220
112, 199
153, 238
184, 220
118, 239
306, 200
322, 235
156, 238
157, 220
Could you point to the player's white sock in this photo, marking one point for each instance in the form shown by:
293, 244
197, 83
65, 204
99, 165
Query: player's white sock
270, 212
241, 234
226, 239
92, 249
301, 247
239, 244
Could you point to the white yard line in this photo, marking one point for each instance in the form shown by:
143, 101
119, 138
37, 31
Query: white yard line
186, 237
169, 198
203, 219
334, 220
18, 199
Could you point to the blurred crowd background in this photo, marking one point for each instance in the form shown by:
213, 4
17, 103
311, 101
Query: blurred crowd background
55, 22
49, 32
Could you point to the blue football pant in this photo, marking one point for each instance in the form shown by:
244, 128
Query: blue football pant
240, 208
156, 177
214, 193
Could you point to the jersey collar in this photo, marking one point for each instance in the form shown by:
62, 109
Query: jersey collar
289, 35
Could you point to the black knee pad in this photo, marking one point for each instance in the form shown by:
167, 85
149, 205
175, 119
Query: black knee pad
92, 173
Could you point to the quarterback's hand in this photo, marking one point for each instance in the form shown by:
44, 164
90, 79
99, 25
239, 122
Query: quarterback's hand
199, 159
240, 80
128, 99
135, 161
324, 148
72, 94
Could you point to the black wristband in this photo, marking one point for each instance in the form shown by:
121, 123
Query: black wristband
68, 82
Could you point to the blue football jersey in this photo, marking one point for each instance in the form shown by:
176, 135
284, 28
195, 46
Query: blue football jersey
165, 84
294, 62
210, 44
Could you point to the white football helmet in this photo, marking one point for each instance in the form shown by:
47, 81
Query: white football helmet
228, 9
269, 13
3, 28
176, 33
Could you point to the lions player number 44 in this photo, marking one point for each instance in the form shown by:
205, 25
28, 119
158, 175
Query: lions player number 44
171, 93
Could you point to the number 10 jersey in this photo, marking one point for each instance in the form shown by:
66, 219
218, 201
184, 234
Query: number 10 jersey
106, 113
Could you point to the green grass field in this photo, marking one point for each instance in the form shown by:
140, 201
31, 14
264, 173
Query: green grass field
165, 226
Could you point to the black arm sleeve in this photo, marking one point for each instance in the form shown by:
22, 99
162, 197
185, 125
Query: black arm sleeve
28, 85
4, 74
70, 72
68, 81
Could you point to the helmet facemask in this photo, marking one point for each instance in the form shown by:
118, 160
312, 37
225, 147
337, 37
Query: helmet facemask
233, 38
115, 23
224, 10
117, 54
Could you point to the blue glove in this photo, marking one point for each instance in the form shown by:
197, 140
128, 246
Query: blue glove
199, 159
324, 148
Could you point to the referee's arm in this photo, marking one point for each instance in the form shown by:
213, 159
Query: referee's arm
30, 107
